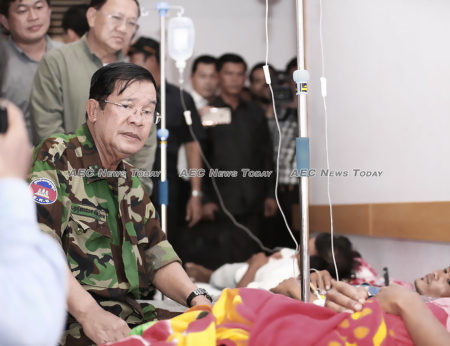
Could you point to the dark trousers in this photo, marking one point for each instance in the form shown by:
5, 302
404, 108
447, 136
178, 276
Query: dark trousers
274, 231
214, 243
179, 193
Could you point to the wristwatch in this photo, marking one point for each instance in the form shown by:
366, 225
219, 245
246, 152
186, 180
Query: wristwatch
196, 193
195, 293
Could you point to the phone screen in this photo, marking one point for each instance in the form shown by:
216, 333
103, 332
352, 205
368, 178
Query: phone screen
3, 119
216, 116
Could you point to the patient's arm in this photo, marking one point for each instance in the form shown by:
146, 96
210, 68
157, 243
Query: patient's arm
289, 287
420, 322
254, 263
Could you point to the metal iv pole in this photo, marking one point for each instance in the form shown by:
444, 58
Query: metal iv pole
163, 133
301, 78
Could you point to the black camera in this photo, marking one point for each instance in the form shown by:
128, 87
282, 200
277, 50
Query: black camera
3, 119
282, 90
283, 94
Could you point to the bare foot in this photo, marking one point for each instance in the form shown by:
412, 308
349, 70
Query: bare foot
198, 272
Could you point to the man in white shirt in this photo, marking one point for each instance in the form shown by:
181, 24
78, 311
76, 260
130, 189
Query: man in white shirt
32, 266
204, 81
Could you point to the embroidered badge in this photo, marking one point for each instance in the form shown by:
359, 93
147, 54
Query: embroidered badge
44, 191
88, 211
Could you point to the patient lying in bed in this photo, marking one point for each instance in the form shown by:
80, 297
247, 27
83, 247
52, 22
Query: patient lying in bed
243, 316
395, 316
266, 272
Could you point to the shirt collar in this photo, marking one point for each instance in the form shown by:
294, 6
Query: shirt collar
199, 100
90, 157
219, 102
48, 46
84, 43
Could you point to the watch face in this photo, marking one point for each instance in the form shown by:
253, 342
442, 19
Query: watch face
199, 291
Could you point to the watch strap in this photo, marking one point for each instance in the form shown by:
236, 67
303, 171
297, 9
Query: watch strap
195, 293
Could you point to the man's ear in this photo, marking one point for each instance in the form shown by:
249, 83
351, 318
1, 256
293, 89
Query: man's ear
4, 21
92, 110
151, 64
90, 16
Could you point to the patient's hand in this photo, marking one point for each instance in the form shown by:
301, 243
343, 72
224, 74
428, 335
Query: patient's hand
102, 326
345, 298
258, 260
321, 280
289, 287
393, 298
276, 255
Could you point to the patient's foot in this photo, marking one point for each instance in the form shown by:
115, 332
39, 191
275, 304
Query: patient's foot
198, 272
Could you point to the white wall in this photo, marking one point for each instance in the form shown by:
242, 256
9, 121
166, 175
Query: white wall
406, 260
388, 69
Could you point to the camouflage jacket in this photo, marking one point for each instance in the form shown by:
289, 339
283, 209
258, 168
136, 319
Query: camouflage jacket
105, 224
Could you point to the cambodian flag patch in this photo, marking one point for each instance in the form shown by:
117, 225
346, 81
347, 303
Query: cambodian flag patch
44, 191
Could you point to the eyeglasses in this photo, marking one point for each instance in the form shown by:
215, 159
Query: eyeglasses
145, 113
117, 19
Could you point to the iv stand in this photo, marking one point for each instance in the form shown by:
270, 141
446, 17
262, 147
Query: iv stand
301, 77
163, 133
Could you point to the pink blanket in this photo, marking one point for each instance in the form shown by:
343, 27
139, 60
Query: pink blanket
256, 317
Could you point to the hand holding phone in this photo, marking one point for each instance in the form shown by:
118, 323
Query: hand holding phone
15, 147
216, 116
3, 119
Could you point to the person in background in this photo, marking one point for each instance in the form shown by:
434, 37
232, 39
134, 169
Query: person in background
184, 209
259, 89
61, 85
27, 22
204, 84
275, 230
204, 81
33, 291
244, 144
74, 23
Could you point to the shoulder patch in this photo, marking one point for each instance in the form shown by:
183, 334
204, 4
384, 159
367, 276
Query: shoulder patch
44, 191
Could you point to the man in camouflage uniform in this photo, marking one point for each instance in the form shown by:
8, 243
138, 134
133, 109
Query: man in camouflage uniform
89, 200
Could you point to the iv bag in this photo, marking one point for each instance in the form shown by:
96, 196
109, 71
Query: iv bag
181, 37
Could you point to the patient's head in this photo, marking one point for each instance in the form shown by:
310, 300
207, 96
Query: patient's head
321, 257
435, 284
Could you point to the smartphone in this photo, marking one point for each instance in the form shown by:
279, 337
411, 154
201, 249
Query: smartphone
3, 119
216, 116
283, 94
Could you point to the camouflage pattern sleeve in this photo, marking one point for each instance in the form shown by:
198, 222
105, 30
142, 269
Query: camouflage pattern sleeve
48, 184
160, 252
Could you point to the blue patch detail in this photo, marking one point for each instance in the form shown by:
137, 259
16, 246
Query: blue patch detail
302, 153
163, 192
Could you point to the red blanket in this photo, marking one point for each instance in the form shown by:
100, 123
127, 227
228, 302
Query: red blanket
256, 317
